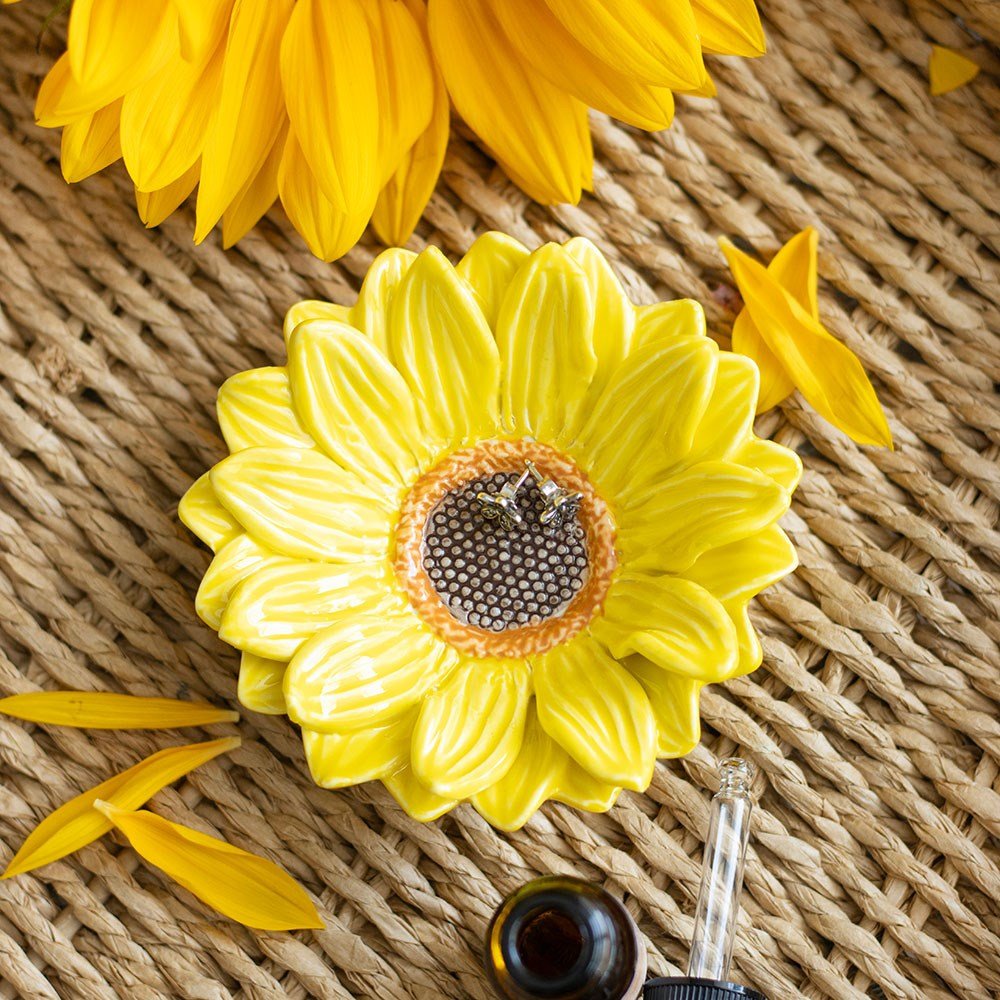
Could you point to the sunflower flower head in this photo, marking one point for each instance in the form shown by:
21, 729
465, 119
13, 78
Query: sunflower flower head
342, 110
413, 637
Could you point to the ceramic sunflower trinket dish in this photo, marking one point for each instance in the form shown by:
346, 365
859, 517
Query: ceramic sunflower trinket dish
488, 532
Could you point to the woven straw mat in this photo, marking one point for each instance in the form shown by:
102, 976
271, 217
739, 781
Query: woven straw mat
874, 868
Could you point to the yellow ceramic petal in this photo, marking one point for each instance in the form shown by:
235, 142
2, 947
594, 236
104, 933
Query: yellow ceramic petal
675, 320
256, 196
729, 27
469, 731
300, 504
533, 777
776, 384
488, 267
313, 309
727, 422
249, 109
658, 394
675, 623
354, 403
579, 788
91, 143
365, 670
339, 759
203, 515
589, 704
828, 374
76, 823
240, 885
165, 120
261, 684
201, 26
328, 230
155, 206
656, 41
441, 343
418, 801
275, 609
948, 70
371, 313
235, 561
734, 574
675, 704
536, 130
330, 88
556, 54
545, 334
710, 504
103, 710
781, 464
255, 410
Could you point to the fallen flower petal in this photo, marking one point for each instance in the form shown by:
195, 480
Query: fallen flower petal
240, 885
76, 823
100, 710
948, 70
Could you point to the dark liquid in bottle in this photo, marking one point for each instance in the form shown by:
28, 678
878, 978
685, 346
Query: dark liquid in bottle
550, 944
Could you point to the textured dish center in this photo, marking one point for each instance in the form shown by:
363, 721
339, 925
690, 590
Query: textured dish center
495, 579
512, 591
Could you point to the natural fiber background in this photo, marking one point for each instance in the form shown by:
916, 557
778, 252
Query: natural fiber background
874, 720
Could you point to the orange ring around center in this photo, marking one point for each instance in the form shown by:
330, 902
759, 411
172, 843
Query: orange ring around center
485, 459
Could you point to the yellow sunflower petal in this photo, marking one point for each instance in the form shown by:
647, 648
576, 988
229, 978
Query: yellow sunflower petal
91, 143
776, 384
371, 312
533, 777
365, 670
235, 561
781, 464
275, 609
675, 320
727, 422
646, 419
330, 87
246, 888
555, 53
313, 309
299, 503
261, 682
657, 42
76, 823
155, 206
675, 623
203, 515
355, 403
826, 371
469, 731
249, 109
255, 410
948, 70
441, 343
488, 267
201, 25
675, 704
545, 334
61, 100
729, 27
256, 196
418, 801
590, 705
736, 573
536, 130
339, 759
710, 504
103, 710
328, 230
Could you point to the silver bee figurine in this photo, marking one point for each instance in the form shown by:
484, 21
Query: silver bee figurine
560, 504
502, 507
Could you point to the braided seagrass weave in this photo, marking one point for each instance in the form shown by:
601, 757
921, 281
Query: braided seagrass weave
874, 724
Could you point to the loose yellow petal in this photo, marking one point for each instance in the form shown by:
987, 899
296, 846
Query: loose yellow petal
91, 143
949, 70
537, 131
255, 197
260, 684
203, 515
246, 888
729, 27
776, 384
441, 343
488, 267
255, 410
249, 109
469, 731
330, 87
76, 823
155, 206
418, 800
827, 373
339, 759
372, 310
675, 704
235, 561
102, 710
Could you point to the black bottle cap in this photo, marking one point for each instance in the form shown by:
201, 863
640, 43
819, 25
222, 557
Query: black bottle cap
686, 988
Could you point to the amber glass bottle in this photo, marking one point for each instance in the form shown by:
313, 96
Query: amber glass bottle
561, 938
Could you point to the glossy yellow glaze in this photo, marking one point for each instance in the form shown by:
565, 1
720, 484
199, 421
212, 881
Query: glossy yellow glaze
434, 360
